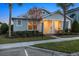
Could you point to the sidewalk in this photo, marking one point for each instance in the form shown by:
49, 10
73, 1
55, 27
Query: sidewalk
23, 44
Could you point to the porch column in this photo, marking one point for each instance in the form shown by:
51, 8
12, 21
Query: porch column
62, 25
42, 26
53, 27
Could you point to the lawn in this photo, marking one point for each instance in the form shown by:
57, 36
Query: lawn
4, 40
66, 46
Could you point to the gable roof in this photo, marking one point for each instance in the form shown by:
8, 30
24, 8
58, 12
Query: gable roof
27, 16
72, 10
18, 18
59, 12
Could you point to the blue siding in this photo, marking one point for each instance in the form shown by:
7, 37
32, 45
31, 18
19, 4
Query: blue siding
21, 27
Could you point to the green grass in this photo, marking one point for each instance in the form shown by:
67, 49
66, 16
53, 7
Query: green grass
67, 46
4, 40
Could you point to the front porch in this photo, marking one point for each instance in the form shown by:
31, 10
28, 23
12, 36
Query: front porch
52, 26
45, 26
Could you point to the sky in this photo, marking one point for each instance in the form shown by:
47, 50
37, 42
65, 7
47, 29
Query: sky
20, 10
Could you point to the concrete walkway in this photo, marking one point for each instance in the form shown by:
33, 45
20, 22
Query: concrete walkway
23, 44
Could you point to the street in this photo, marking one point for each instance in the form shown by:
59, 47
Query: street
22, 52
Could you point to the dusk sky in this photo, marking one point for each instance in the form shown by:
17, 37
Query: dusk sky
19, 10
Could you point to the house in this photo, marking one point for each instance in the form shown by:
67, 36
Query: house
74, 13
47, 22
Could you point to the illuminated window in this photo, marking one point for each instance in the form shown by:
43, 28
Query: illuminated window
32, 25
58, 25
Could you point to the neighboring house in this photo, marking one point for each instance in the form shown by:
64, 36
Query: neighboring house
74, 13
50, 23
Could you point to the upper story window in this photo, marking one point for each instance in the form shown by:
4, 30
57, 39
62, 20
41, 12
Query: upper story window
19, 22
43, 12
72, 15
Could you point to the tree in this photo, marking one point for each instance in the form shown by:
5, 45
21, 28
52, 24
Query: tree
75, 27
10, 16
4, 28
35, 15
64, 7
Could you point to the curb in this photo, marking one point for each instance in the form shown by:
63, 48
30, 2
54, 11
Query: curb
55, 53
52, 52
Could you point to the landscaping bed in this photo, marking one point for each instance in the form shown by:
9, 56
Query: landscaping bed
67, 36
66, 46
4, 39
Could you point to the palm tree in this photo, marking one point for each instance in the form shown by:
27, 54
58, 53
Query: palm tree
64, 7
10, 16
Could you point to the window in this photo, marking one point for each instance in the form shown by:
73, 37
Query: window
58, 25
43, 12
72, 15
19, 22
32, 25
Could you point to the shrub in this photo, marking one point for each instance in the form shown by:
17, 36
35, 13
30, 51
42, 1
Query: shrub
4, 28
66, 30
20, 33
27, 33
75, 27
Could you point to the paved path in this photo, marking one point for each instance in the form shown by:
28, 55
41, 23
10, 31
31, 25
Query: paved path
23, 44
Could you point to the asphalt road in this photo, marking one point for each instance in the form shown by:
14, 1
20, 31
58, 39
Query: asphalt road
26, 51
13, 52
23, 52
35, 52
